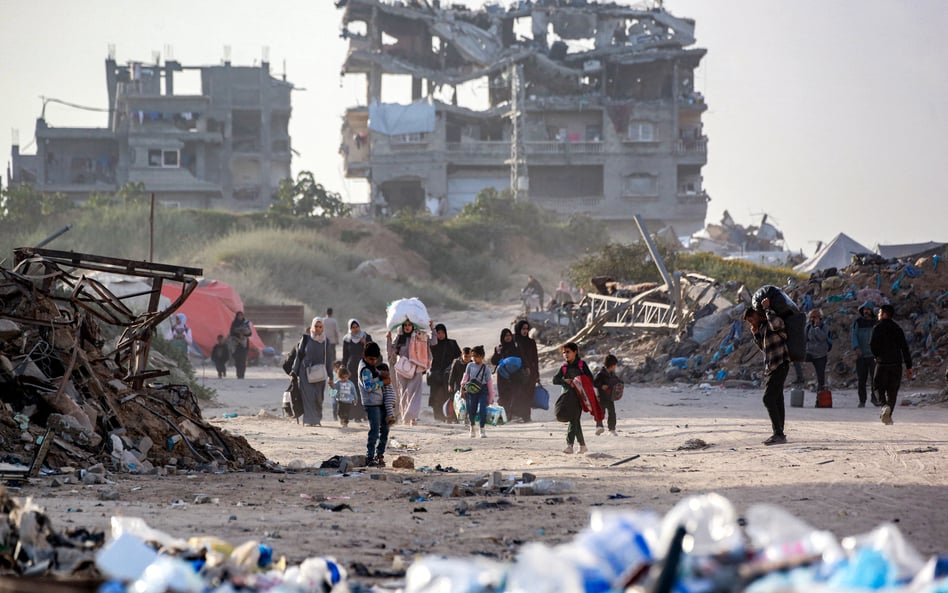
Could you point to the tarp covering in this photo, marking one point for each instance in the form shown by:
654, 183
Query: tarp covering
838, 253
906, 249
210, 310
395, 118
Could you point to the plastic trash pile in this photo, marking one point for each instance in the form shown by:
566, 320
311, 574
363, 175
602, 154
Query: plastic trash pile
700, 546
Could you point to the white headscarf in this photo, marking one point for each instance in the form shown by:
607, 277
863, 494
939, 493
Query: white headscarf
355, 337
316, 338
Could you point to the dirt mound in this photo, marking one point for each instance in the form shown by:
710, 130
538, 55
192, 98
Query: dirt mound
375, 240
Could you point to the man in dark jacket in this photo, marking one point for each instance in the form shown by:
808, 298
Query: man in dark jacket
891, 351
860, 335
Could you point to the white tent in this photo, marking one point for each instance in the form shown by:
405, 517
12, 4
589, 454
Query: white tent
838, 253
905, 249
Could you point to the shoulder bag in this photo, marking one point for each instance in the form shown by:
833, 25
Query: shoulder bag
405, 367
317, 373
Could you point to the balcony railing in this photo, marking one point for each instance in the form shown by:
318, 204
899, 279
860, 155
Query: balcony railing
697, 146
492, 148
557, 147
570, 205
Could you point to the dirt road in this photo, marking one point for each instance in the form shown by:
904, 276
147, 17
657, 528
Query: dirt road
841, 470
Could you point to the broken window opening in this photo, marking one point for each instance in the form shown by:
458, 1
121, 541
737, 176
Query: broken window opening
642, 131
641, 185
163, 158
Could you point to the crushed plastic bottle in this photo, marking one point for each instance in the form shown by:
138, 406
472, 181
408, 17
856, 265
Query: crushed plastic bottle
550, 486
434, 574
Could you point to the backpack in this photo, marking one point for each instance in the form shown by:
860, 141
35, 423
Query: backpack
793, 318
508, 367
290, 359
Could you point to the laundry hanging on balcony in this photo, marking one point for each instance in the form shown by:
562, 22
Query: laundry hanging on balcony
395, 118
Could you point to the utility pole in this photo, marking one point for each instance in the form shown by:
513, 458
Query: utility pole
519, 179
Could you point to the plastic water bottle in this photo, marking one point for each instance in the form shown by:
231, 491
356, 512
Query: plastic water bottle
434, 574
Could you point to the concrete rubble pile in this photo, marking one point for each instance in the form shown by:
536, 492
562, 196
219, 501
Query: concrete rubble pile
716, 345
73, 397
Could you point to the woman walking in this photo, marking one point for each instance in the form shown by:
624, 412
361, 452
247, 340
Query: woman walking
529, 375
409, 355
443, 355
506, 386
353, 347
239, 338
313, 366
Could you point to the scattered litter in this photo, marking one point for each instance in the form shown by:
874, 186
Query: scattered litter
692, 445
920, 450
335, 507
626, 460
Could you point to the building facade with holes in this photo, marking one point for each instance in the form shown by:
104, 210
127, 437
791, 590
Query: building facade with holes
588, 108
224, 147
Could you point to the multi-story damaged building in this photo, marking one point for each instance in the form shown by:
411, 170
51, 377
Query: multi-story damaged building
225, 148
589, 108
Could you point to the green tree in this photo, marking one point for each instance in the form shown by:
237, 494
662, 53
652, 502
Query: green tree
304, 197
499, 207
24, 206
130, 193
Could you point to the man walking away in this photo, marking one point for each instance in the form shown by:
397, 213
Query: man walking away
891, 350
860, 335
770, 335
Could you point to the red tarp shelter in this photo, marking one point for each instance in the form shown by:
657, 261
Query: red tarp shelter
210, 310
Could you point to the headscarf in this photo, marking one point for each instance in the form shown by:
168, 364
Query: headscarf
321, 337
354, 337
508, 348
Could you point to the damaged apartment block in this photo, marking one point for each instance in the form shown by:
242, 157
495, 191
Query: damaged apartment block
580, 108
209, 137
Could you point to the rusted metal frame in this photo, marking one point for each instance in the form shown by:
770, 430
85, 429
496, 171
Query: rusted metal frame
137, 342
112, 310
117, 265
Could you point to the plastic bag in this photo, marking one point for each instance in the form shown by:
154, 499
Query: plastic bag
407, 309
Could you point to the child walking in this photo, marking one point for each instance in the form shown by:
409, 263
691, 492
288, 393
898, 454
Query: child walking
344, 395
606, 382
372, 387
454, 382
572, 368
478, 388
220, 355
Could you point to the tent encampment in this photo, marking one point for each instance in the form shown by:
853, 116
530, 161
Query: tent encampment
838, 253
210, 310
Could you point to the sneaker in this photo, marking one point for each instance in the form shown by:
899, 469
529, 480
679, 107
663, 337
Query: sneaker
380, 461
473, 431
777, 439
861, 405
582, 449
568, 450
371, 463
483, 434
886, 415
600, 429
613, 433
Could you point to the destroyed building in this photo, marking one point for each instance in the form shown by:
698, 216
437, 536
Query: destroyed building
585, 108
226, 146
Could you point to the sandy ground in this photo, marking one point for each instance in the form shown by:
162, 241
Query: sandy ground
842, 470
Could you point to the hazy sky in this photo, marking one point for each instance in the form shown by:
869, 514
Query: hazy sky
831, 116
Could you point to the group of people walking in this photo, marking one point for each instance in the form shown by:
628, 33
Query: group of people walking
234, 347
363, 387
